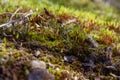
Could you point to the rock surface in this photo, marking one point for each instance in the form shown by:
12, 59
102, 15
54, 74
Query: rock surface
38, 64
38, 71
40, 74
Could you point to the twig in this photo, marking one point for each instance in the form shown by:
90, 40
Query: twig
42, 18
28, 13
10, 21
69, 22
48, 13
115, 76
5, 13
9, 24
14, 14
37, 25
5, 24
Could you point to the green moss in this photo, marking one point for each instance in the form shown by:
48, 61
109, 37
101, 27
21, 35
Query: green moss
92, 19
16, 55
2, 55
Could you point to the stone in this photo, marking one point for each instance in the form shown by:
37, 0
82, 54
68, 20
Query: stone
91, 42
37, 53
38, 64
40, 74
70, 59
67, 59
38, 71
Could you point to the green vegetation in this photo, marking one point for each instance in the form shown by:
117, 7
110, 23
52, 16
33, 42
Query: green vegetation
93, 19
59, 26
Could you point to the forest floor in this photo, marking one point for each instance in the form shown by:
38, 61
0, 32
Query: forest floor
50, 40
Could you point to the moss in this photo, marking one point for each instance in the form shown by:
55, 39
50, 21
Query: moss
16, 55
91, 19
2, 55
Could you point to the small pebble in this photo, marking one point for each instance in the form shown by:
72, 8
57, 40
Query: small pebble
92, 42
38, 64
70, 59
3, 60
58, 69
37, 53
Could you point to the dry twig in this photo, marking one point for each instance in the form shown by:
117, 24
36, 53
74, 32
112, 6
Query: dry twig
14, 14
16, 21
69, 22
